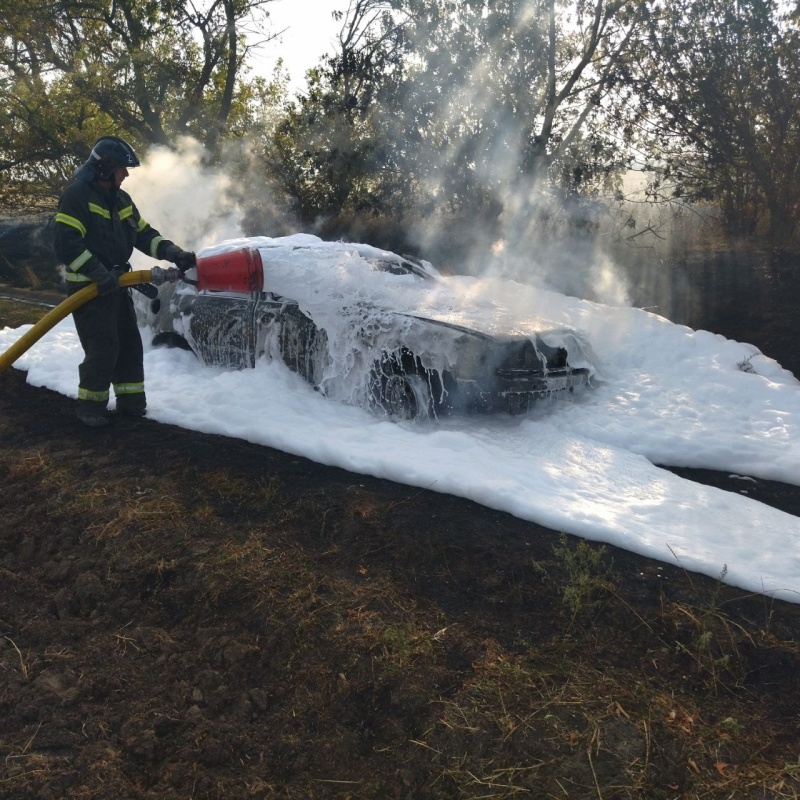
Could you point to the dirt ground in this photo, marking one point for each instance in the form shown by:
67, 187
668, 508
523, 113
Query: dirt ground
188, 616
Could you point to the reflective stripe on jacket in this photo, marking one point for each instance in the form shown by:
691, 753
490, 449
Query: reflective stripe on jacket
95, 227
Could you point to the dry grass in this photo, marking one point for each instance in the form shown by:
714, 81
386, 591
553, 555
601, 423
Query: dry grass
14, 314
225, 629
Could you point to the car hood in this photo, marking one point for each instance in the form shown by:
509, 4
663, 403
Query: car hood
498, 330
495, 328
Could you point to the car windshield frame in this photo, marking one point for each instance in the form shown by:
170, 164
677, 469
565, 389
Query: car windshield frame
403, 267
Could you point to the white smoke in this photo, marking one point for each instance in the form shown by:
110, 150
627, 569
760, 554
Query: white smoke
532, 233
184, 197
193, 203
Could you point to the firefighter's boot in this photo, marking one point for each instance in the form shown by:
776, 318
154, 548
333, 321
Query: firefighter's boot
132, 405
92, 414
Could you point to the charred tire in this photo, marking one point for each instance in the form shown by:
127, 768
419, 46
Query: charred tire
400, 386
170, 339
407, 397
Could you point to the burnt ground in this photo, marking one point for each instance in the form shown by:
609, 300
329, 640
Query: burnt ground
188, 616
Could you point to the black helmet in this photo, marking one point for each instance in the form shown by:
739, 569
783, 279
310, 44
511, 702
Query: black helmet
109, 153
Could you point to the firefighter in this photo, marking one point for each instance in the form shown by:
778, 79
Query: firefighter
97, 227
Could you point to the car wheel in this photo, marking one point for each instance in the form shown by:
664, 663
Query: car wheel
407, 397
170, 339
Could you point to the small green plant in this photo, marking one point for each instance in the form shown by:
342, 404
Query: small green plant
588, 569
268, 492
399, 646
713, 640
538, 569
730, 726
793, 769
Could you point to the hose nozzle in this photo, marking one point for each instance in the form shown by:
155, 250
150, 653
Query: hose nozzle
159, 276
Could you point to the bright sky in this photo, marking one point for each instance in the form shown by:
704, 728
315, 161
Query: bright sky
664, 394
309, 31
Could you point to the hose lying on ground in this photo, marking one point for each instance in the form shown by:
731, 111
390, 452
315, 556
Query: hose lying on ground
55, 316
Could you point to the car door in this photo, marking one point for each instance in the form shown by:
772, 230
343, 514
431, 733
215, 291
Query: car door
283, 331
222, 330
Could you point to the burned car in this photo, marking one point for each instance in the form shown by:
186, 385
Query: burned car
362, 325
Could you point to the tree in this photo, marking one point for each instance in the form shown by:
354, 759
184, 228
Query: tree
719, 83
460, 108
507, 110
151, 71
332, 150
517, 78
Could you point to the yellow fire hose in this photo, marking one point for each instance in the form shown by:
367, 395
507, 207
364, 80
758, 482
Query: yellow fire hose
76, 300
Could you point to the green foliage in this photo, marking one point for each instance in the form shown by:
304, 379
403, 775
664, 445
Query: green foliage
450, 116
513, 93
336, 151
716, 644
435, 124
150, 72
719, 82
793, 769
588, 570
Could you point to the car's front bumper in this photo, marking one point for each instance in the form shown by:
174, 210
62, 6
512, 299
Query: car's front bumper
512, 391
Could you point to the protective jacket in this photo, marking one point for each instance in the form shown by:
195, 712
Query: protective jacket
96, 230
98, 227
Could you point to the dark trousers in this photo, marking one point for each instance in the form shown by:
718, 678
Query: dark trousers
112, 348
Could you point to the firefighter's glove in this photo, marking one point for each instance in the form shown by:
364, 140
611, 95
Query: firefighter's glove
120, 269
185, 260
106, 283
105, 279
182, 259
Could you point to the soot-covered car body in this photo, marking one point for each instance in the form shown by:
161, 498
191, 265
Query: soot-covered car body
346, 318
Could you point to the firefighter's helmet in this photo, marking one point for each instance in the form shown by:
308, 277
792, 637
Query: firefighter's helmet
110, 153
